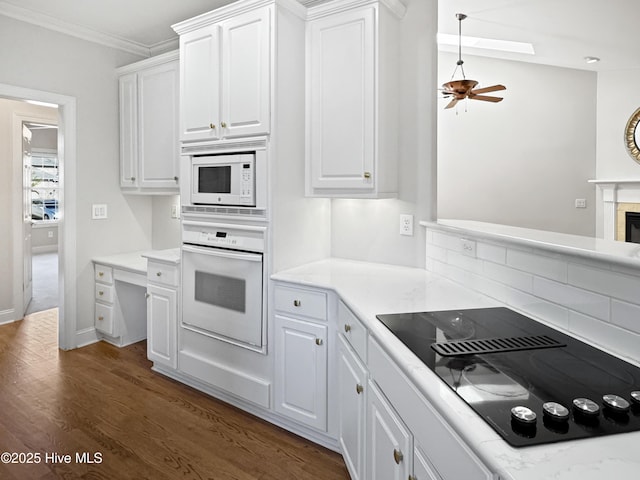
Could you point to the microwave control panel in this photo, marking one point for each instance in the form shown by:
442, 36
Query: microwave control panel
246, 182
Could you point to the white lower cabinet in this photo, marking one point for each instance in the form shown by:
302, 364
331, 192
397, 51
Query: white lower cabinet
161, 325
422, 469
301, 371
352, 384
389, 442
162, 313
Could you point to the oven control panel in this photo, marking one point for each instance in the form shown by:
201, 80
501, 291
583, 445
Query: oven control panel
224, 236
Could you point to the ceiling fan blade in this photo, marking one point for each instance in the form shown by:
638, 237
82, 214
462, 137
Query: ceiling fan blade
452, 103
492, 88
485, 98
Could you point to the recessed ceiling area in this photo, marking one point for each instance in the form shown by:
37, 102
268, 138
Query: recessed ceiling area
562, 32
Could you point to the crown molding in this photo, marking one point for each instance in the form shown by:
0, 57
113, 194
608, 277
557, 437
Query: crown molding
51, 23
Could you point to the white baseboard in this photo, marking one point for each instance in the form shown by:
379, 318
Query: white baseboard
86, 336
8, 316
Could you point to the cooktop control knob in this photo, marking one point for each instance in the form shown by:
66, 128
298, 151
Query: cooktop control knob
635, 397
555, 411
586, 407
523, 415
616, 403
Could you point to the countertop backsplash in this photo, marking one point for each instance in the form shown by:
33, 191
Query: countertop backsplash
579, 292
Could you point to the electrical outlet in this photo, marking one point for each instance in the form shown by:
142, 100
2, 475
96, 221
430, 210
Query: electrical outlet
468, 247
175, 211
50, 234
406, 225
98, 211
581, 203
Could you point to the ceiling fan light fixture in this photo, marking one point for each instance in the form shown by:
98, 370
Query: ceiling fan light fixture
591, 59
464, 89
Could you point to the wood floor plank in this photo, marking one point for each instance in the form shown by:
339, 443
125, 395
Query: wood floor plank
107, 400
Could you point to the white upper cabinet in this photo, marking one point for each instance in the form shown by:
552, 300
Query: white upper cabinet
149, 152
225, 70
352, 99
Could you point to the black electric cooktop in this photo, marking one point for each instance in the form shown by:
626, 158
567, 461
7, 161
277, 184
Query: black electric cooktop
531, 383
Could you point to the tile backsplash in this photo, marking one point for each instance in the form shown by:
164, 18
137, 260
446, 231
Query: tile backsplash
592, 299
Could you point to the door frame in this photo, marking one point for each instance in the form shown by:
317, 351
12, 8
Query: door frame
67, 276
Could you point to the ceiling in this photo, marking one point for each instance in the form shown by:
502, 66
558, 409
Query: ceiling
562, 32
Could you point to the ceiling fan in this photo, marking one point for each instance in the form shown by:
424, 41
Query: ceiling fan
465, 88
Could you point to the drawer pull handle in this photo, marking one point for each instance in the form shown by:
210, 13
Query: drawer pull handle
100, 318
319, 341
347, 328
397, 456
359, 389
297, 303
158, 274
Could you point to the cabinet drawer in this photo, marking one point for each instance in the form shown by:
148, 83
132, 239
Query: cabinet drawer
353, 330
162, 274
301, 302
104, 274
104, 292
104, 319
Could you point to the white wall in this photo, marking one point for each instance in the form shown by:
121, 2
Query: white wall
40, 59
165, 230
525, 160
368, 230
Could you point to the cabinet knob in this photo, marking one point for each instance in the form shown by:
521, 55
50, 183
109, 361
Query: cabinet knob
101, 274
413, 477
223, 124
100, 318
212, 126
101, 293
147, 295
133, 179
158, 274
176, 178
319, 341
397, 456
347, 328
367, 175
359, 389
297, 303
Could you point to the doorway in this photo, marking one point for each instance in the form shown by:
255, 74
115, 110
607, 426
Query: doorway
42, 176
66, 121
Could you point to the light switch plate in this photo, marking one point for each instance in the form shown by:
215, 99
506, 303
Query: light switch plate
98, 211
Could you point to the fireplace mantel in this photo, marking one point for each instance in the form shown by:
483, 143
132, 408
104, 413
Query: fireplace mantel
615, 191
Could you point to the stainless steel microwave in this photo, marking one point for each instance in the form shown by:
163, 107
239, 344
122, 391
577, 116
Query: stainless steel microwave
228, 179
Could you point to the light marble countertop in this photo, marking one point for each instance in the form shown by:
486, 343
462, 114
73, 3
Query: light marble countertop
369, 289
136, 262
622, 253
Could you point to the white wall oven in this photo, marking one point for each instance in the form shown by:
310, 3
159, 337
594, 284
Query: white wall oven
224, 284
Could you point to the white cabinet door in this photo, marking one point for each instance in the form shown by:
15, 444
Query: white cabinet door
352, 382
158, 121
162, 325
301, 371
389, 449
200, 84
422, 470
246, 73
225, 78
342, 101
128, 85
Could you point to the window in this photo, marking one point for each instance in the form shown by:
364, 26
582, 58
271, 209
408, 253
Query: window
44, 186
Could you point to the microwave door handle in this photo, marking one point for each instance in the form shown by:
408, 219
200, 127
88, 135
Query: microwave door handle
216, 252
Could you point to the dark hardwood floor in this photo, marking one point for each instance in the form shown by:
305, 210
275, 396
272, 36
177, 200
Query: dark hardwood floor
105, 403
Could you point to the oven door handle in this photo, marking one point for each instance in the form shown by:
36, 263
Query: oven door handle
216, 252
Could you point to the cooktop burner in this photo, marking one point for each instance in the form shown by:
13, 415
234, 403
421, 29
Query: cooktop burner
531, 383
